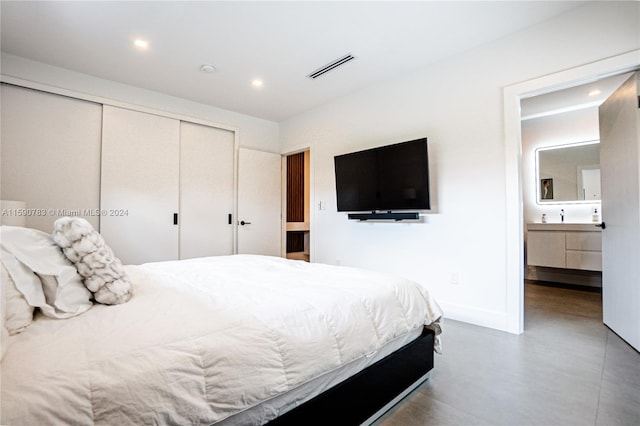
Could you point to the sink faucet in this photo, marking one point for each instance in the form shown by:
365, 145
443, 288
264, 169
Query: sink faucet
562, 215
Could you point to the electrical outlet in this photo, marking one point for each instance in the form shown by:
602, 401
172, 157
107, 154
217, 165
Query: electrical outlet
454, 278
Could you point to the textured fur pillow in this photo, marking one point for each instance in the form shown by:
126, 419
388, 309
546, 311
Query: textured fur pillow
101, 271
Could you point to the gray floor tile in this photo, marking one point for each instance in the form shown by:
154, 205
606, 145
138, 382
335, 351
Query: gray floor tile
622, 364
420, 405
619, 404
566, 369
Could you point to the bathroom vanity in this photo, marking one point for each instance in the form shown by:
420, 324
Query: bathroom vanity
565, 245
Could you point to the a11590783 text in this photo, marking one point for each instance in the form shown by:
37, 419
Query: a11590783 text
63, 212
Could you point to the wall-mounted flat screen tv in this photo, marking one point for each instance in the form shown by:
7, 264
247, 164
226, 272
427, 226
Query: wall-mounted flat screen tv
392, 177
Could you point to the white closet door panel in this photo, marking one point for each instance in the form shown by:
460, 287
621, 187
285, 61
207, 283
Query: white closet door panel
140, 185
206, 191
50, 155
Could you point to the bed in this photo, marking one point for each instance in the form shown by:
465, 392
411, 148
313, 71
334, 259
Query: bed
232, 340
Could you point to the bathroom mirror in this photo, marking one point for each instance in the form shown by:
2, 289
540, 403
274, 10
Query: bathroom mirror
569, 173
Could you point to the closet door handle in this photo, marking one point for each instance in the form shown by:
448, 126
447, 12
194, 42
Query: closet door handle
175, 218
243, 223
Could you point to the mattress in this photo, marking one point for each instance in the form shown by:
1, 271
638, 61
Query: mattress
287, 401
209, 340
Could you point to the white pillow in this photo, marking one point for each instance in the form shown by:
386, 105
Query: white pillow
17, 314
36, 263
102, 271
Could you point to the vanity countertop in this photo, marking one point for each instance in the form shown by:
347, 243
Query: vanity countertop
587, 227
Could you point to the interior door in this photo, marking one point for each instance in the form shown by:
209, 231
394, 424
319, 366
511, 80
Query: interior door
206, 191
619, 150
139, 185
259, 203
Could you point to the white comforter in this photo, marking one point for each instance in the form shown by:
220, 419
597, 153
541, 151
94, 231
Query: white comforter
204, 339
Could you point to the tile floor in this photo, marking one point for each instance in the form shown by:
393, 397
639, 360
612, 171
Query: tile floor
567, 368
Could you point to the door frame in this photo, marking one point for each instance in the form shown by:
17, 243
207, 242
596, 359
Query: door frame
296, 150
514, 214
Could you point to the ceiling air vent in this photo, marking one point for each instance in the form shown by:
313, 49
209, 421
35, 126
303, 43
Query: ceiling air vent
332, 65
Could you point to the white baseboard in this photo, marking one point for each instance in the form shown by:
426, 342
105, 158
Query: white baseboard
469, 314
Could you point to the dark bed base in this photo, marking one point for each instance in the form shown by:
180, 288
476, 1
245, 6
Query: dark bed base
356, 399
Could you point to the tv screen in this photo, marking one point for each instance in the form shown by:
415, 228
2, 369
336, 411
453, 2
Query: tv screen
392, 177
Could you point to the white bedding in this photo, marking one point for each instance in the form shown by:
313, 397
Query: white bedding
204, 339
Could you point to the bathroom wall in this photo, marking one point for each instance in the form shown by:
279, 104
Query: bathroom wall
553, 130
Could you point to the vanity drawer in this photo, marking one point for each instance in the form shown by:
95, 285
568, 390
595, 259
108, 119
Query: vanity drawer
585, 241
546, 248
571, 246
587, 260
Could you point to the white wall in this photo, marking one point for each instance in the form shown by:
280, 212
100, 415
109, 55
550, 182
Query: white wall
254, 132
458, 105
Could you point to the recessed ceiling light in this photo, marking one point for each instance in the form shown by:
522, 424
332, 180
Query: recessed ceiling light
208, 68
595, 92
257, 83
141, 44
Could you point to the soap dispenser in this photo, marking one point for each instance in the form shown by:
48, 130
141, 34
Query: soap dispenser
595, 217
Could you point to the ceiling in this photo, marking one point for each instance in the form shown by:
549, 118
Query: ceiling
591, 94
279, 43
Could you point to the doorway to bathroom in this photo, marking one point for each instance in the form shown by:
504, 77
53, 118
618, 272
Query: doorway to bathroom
560, 135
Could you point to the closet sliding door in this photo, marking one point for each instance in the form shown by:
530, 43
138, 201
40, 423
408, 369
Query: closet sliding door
206, 191
139, 186
50, 155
